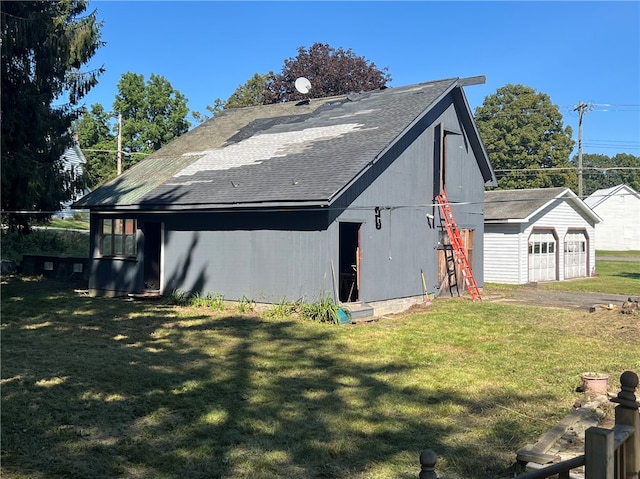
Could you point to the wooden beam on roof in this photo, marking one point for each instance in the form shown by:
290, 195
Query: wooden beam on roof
477, 80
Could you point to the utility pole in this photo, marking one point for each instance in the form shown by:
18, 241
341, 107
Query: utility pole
120, 143
580, 109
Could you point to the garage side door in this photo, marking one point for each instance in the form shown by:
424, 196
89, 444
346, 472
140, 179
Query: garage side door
542, 256
575, 255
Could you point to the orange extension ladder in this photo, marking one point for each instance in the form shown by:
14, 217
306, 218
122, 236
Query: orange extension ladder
458, 247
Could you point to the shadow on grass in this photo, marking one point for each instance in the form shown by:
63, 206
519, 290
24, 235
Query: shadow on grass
110, 388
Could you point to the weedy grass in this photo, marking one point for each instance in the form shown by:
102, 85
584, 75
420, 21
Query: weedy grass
107, 388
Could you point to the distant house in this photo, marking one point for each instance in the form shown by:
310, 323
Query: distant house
619, 208
533, 235
331, 196
73, 160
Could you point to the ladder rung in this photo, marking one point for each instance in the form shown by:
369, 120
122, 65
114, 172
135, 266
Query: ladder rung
459, 256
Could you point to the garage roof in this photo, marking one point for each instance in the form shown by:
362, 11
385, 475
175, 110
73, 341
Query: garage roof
519, 206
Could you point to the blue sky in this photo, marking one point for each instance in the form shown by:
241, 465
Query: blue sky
572, 51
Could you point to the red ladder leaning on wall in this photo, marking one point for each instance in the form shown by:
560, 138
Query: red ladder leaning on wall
457, 245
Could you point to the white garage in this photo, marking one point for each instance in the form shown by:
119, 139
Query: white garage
533, 235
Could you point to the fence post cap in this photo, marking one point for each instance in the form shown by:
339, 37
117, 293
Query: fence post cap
628, 384
428, 460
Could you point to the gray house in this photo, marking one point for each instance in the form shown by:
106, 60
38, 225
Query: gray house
331, 196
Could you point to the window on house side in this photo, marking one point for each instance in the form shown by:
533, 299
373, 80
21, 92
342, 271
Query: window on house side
117, 237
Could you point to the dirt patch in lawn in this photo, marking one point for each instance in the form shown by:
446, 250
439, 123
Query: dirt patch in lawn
593, 316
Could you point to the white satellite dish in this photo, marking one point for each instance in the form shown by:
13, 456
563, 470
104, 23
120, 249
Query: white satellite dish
303, 85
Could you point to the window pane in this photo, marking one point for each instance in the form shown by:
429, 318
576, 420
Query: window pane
117, 227
106, 227
106, 246
129, 245
117, 245
129, 226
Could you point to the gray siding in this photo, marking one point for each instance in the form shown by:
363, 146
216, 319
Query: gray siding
279, 255
263, 265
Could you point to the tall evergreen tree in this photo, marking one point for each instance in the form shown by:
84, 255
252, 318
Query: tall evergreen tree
527, 143
44, 47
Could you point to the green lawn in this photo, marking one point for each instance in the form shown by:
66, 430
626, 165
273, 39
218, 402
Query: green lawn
614, 277
630, 254
69, 224
102, 388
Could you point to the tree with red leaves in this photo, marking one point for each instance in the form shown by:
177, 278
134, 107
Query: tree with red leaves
331, 72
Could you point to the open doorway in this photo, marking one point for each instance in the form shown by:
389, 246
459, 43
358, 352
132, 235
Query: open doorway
349, 252
152, 246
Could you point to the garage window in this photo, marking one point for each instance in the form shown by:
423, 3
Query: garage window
117, 237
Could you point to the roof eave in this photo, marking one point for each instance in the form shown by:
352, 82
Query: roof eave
204, 207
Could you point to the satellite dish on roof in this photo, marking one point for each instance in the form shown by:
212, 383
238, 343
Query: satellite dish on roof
303, 85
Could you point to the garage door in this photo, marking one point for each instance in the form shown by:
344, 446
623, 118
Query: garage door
542, 256
575, 255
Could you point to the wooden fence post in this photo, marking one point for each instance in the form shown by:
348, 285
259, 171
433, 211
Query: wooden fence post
599, 453
627, 414
428, 461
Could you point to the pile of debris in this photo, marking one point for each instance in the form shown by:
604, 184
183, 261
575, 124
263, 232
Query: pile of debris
630, 306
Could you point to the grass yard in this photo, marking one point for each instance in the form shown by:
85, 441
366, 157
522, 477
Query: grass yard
103, 388
614, 277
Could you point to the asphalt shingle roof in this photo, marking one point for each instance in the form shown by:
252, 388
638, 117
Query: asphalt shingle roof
517, 204
272, 154
520, 205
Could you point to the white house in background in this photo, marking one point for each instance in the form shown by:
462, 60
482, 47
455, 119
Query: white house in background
543, 234
73, 160
619, 208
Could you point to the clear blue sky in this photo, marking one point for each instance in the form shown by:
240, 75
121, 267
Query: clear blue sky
572, 51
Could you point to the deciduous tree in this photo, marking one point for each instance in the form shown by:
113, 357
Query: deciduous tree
601, 171
99, 145
44, 47
331, 72
153, 114
527, 143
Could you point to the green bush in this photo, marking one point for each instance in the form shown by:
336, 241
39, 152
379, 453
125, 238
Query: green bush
325, 311
66, 243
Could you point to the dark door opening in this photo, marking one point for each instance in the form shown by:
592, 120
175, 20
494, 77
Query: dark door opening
349, 258
152, 245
